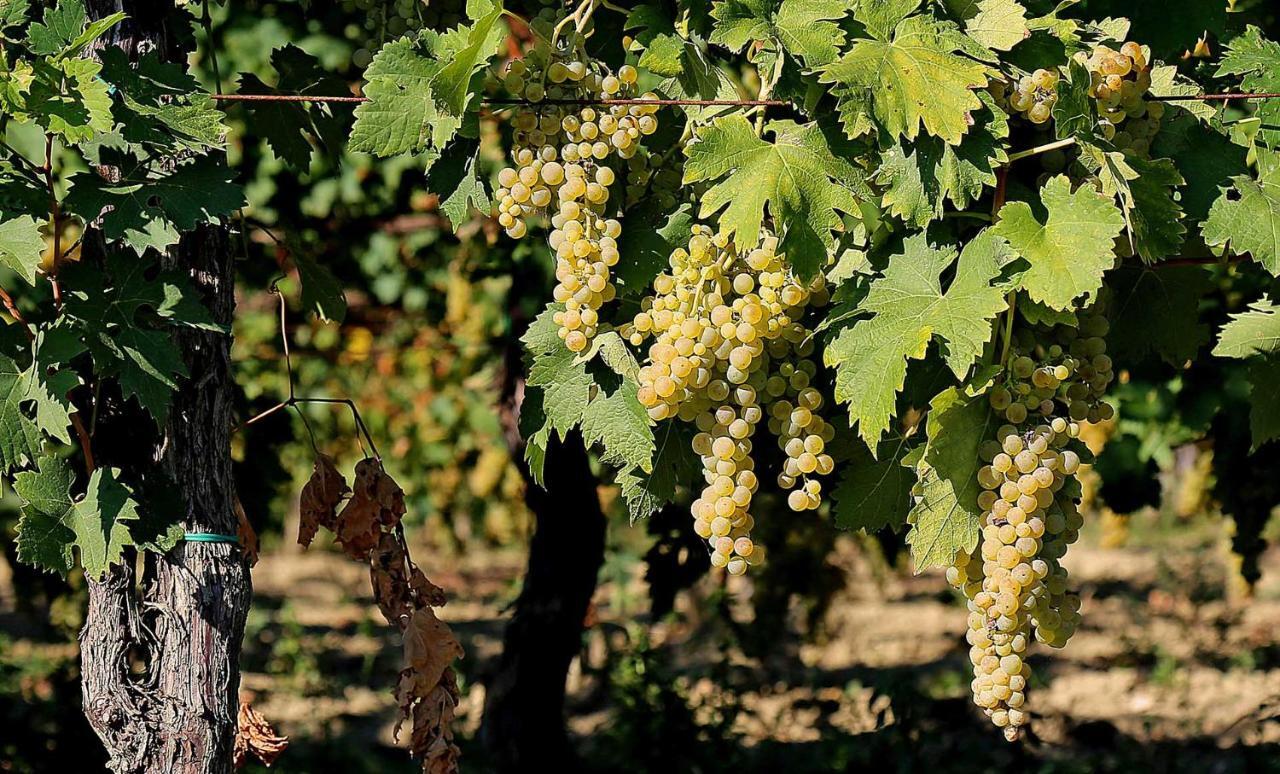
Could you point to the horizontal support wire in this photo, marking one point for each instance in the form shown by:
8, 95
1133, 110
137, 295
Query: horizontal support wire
663, 102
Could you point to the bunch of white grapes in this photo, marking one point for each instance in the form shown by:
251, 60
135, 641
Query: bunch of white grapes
559, 156
719, 321
1032, 96
1068, 376
1015, 587
1119, 82
1014, 583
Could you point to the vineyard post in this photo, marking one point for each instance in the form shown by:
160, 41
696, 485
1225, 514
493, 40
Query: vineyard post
184, 617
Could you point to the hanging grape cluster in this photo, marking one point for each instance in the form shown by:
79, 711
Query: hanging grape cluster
559, 153
727, 341
1119, 82
1033, 96
1014, 583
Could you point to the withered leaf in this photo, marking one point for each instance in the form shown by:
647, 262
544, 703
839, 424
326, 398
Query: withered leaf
320, 498
376, 502
429, 646
254, 735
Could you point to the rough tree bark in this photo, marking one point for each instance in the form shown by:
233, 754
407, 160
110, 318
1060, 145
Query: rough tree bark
524, 724
183, 624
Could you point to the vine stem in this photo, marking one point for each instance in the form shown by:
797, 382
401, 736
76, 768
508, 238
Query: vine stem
54, 221
12, 309
1002, 186
514, 102
1049, 146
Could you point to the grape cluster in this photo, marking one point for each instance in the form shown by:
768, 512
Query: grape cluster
1015, 587
1014, 582
1119, 82
1068, 376
1033, 96
559, 157
727, 338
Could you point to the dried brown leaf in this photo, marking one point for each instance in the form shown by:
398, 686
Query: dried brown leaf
245, 532
254, 735
320, 498
376, 502
429, 646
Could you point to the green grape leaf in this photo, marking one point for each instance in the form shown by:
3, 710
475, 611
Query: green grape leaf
875, 490
1255, 332
144, 208
1246, 217
50, 379
161, 103
419, 91
455, 180
322, 293
68, 99
802, 28
19, 436
909, 80
565, 385
1264, 400
919, 177
1073, 112
13, 13
21, 246
60, 25
663, 48
909, 309
1257, 61
700, 78
797, 177
1166, 81
619, 424
674, 465
1156, 311
946, 518
1146, 192
997, 24
1070, 250
1205, 157
54, 524
291, 127
648, 241
612, 418
114, 312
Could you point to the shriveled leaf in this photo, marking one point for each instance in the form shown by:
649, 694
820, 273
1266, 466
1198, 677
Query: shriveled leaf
321, 495
256, 737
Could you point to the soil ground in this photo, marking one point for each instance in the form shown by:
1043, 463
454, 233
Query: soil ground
1171, 671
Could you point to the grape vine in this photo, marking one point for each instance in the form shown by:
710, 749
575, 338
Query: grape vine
906, 238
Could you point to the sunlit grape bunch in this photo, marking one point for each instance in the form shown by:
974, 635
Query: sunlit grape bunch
562, 138
1119, 82
726, 337
1060, 371
1014, 584
1034, 95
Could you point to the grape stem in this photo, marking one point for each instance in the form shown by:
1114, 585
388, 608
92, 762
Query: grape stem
1051, 146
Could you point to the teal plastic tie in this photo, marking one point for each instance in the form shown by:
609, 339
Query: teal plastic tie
210, 537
